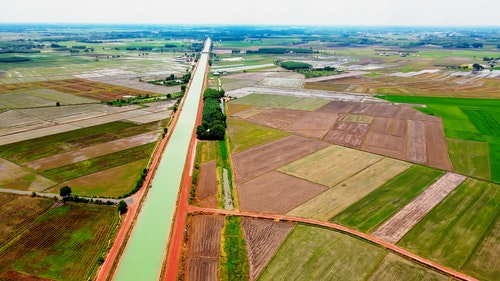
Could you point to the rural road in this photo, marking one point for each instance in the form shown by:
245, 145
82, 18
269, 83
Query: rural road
51, 195
367, 237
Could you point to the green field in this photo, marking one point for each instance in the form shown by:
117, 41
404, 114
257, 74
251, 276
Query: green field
207, 151
315, 253
30, 150
63, 244
100, 163
234, 262
278, 101
371, 211
452, 231
394, 267
471, 126
244, 135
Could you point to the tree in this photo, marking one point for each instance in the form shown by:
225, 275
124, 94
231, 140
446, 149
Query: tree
65, 191
477, 67
58, 103
122, 207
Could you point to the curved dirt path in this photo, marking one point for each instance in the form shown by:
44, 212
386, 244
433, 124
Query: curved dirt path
364, 236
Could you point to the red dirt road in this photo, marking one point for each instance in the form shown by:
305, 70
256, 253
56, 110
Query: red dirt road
373, 239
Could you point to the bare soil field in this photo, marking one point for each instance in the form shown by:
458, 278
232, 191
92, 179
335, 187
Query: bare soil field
20, 178
330, 165
399, 224
351, 134
250, 111
206, 190
388, 126
297, 83
67, 158
416, 148
333, 201
278, 118
337, 107
249, 163
335, 77
437, 149
276, 193
203, 247
313, 124
263, 238
385, 144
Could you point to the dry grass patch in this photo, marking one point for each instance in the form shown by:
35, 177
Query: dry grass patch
331, 165
338, 198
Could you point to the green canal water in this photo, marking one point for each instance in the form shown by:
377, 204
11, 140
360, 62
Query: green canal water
144, 253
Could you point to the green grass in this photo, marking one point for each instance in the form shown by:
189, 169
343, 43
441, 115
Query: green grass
452, 230
244, 135
395, 267
315, 253
470, 120
371, 211
470, 157
234, 262
30, 150
100, 163
64, 244
267, 100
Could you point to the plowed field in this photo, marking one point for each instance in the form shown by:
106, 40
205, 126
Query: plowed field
206, 191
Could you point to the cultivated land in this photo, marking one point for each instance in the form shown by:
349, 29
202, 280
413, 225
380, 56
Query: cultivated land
452, 239
393, 267
63, 244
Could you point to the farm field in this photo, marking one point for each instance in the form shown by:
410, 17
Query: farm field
452, 239
277, 101
207, 186
244, 135
318, 253
39, 97
353, 188
203, 247
393, 267
263, 238
371, 211
52, 247
470, 123
16, 177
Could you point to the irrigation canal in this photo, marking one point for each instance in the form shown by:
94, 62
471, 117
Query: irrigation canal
145, 250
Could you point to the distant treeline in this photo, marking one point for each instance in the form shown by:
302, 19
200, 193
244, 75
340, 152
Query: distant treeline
281, 51
295, 65
213, 122
14, 59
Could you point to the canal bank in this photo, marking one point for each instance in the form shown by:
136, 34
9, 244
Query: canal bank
144, 252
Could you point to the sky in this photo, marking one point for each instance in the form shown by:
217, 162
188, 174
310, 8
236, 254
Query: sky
260, 12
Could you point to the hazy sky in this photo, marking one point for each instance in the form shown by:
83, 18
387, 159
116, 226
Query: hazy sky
290, 12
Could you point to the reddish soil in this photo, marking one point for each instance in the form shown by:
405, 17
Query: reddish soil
314, 124
256, 161
437, 150
206, 191
337, 107
350, 134
388, 126
405, 112
263, 238
276, 193
203, 247
19, 276
362, 108
392, 146
278, 118
398, 225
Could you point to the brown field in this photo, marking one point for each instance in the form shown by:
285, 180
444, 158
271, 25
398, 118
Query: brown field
337, 107
233, 108
331, 165
399, 224
384, 144
86, 153
278, 118
80, 87
20, 276
18, 213
20, 178
416, 149
388, 126
276, 193
333, 201
263, 238
206, 190
313, 124
437, 145
249, 163
350, 134
203, 247
250, 111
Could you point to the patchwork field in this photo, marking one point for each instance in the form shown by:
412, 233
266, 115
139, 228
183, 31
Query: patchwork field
321, 254
203, 247
248, 164
452, 240
52, 246
371, 211
359, 184
263, 238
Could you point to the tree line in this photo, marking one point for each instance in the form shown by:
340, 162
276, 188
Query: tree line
213, 122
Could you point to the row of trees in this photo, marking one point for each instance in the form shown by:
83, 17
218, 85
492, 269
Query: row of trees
213, 122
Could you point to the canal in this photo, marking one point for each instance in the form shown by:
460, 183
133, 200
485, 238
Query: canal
144, 252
